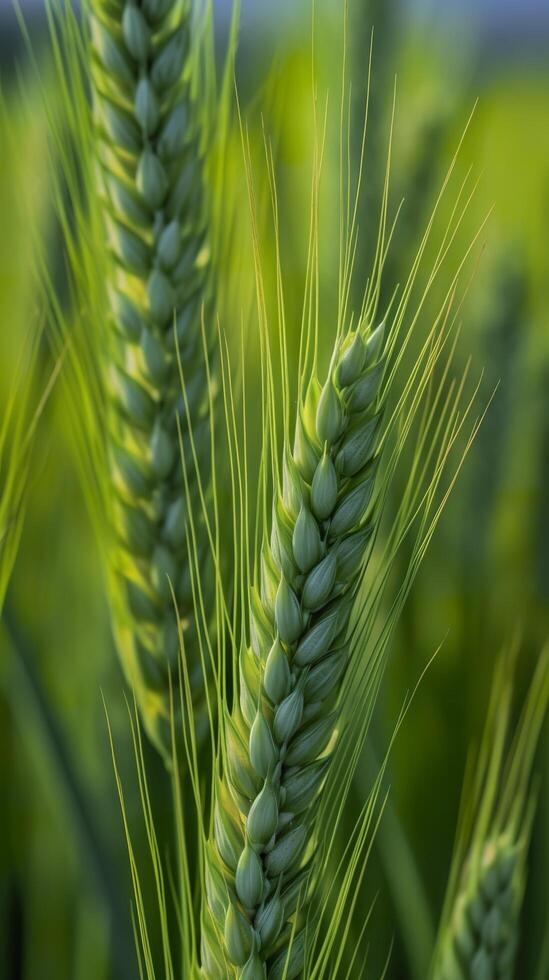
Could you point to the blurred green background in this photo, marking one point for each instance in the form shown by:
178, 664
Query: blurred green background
64, 880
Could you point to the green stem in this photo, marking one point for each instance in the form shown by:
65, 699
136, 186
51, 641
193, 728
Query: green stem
84, 820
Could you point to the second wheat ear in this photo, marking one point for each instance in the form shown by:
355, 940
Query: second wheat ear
150, 177
479, 933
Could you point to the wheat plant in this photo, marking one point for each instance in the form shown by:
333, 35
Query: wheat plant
150, 177
308, 676
138, 187
479, 932
289, 679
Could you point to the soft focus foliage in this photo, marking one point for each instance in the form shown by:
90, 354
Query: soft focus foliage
65, 885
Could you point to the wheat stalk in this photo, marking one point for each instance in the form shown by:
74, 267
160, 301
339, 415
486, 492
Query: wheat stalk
150, 177
278, 737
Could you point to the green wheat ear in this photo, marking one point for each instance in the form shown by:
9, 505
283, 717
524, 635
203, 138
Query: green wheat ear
150, 178
479, 933
279, 735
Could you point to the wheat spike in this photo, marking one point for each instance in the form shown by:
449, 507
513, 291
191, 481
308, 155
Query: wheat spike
479, 931
483, 937
150, 177
278, 738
